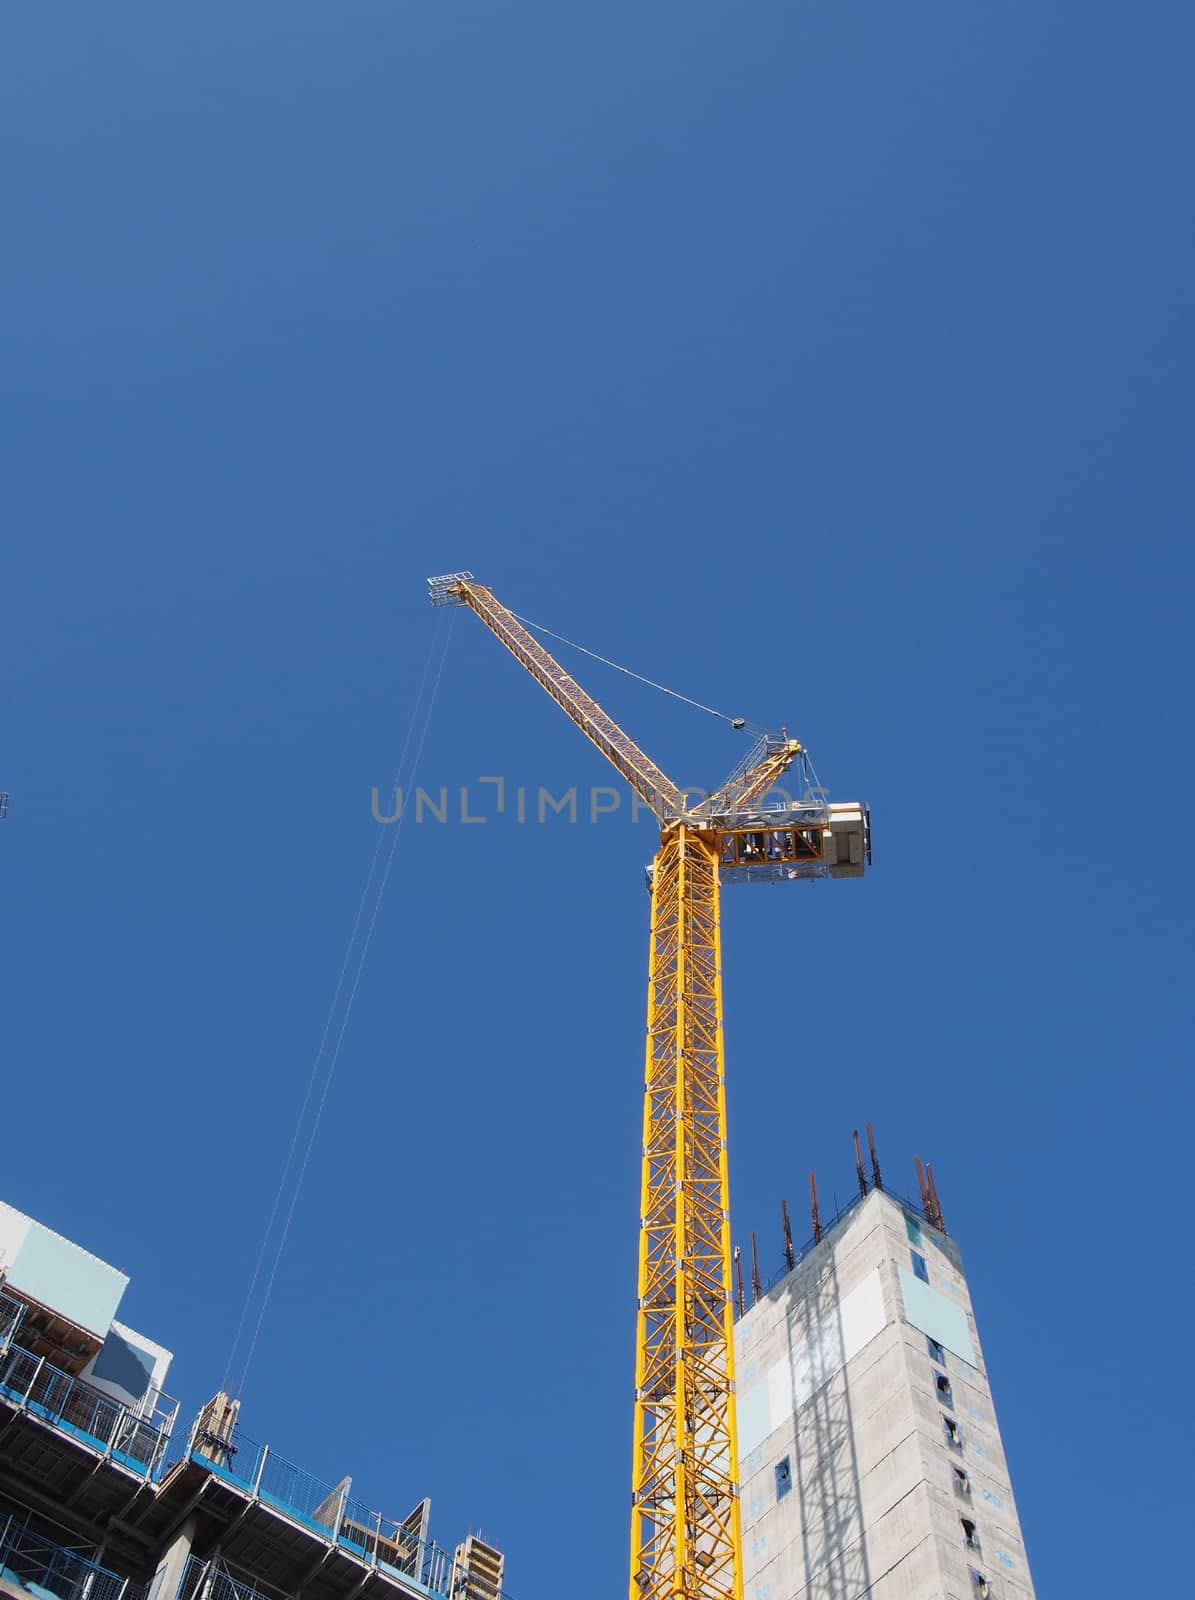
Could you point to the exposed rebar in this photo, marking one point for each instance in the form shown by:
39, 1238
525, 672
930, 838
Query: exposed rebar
875, 1160
937, 1219
924, 1187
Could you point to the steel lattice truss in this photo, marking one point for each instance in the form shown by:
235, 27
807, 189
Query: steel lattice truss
685, 1526
685, 1539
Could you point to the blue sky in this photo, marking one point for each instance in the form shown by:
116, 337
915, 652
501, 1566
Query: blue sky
830, 363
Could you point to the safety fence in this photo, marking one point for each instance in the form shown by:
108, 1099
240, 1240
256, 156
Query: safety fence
329, 1510
211, 1580
141, 1441
28, 1558
75, 1408
11, 1312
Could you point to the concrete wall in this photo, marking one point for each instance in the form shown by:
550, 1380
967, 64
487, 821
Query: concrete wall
849, 1476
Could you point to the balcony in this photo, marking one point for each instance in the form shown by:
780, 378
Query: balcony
118, 1468
84, 1414
394, 1549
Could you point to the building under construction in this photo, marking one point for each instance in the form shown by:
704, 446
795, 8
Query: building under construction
871, 1461
104, 1496
835, 1441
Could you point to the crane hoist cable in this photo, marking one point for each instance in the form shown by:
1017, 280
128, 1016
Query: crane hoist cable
321, 1053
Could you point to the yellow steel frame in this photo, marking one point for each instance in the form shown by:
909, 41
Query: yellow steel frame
685, 1536
660, 793
750, 789
685, 1531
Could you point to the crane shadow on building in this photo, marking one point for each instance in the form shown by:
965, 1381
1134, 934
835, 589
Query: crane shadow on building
825, 1471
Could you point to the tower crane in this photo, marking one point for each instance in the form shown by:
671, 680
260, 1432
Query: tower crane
685, 1527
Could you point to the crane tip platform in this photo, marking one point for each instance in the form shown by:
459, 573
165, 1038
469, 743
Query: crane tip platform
441, 591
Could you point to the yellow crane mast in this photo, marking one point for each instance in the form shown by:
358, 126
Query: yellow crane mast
685, 1526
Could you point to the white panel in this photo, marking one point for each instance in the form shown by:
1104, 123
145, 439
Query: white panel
789, 1383
14, 1226
70, 1281
863, 1314
804, 1365
840, 1335
817, 1362
754, 1418
936, 1316
780, 1391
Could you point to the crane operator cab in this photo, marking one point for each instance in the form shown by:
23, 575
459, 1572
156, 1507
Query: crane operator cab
784, 844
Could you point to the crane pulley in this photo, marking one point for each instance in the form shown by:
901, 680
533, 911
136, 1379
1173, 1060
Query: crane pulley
686, 1539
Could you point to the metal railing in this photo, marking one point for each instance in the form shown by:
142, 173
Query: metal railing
393, 1547
29, 1558
73, 1406
11, 1312
828, 1222
211, 1580
329, 1511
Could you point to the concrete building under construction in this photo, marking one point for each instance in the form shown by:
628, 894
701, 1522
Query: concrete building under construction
871, 1461
103, 1496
